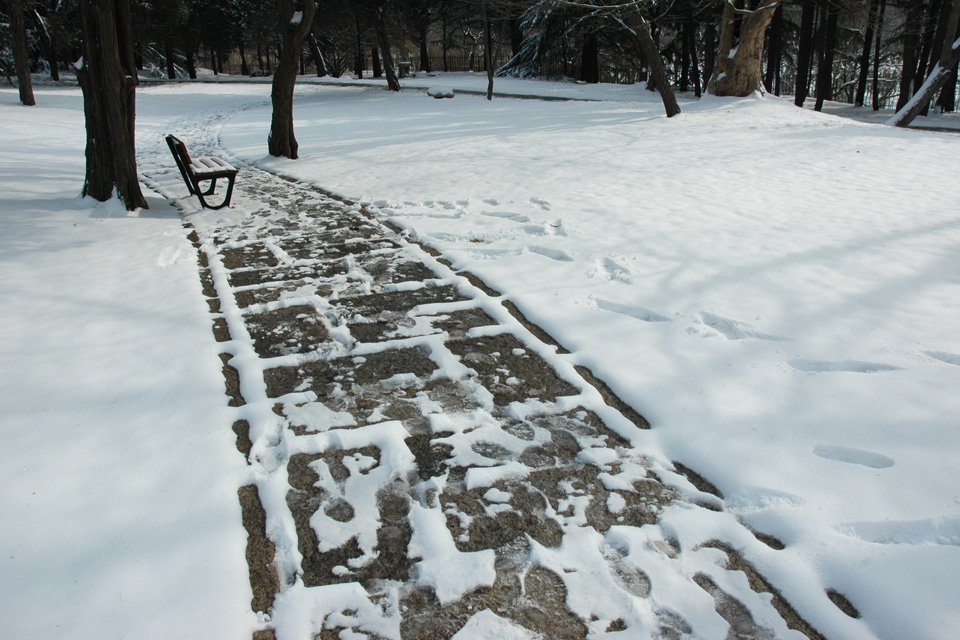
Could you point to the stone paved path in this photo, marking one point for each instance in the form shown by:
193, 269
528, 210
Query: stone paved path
423, 462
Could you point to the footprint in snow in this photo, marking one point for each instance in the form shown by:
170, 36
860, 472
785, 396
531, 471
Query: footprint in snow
734, 329
843, 366
506, 215
633, 311
853, 456
944, 356
493, 202
943, 530
608, 269
543, 204
553, 254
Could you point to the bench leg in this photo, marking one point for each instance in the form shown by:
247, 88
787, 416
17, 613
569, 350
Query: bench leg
213, 186
226, 201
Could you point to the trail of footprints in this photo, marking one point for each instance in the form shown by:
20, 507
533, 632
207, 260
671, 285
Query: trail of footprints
416, 462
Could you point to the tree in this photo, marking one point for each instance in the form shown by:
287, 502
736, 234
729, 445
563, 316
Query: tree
108, 78
939, 75
296, 16
738, 63
380, 26
21, 59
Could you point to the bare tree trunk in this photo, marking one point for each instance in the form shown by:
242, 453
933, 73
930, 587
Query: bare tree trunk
803, 53
775, 53
658, 71
20, 55
910, 40
108, 78
296, 16
375, 62
590, 60
381, 28
737, 72
824, 86
876, 57
424, 54
949, 57
865, 56
487, 48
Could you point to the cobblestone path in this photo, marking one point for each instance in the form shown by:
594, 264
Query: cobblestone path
424, 463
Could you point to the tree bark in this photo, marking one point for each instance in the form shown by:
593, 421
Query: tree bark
590, 60
381, 28
21, 59
775, 53
424, 54
108, 79
737, 72
375, 62
910, 40
824, 86
658, 70
295, 20
949, 57
876, 57
803, 53
487, 48
865, 56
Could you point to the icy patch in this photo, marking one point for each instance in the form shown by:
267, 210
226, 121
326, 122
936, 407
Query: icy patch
450, 572
853, 456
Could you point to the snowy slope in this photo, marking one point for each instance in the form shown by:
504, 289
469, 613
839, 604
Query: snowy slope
776, 290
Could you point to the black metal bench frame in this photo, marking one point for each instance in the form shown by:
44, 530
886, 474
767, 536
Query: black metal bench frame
201, 169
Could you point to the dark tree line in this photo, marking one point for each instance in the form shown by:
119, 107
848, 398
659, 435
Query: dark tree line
901, 53
866, 52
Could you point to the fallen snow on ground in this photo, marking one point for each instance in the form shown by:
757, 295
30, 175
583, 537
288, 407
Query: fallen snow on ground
774, 289
118, 510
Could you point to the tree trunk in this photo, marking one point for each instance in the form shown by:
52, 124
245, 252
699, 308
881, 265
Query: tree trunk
318, 60
825, 56
244, 68
948, 95
926, 40
424, 54
381, 28
590, 60
803, 53
296, 16
910, 40
939, 76
876, 56
108, 79
20, 55
737, 72
775, 53
375, 58
658, 71
487, 48
358, 60
865, 56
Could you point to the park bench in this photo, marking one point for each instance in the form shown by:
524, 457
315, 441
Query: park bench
201, 169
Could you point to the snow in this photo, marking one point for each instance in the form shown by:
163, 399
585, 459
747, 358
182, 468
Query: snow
775, 290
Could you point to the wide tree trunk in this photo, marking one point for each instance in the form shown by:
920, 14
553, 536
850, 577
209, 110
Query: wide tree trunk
739, 60
380, 27
21, 58
939, 76
296, 16
424, 54
108, 78
803, 53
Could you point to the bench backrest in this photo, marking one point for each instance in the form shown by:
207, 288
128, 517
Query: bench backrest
182, 157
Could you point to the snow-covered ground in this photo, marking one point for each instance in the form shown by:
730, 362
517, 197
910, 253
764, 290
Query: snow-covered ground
776, 290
